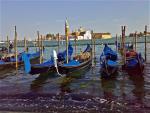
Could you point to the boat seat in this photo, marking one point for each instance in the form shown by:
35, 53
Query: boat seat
72, 63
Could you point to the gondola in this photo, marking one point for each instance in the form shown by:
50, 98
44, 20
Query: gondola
134, 63
10, 61
108, 62
48, 66
82, 61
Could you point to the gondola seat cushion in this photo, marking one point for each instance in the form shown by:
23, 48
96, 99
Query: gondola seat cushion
72, 63
112, 63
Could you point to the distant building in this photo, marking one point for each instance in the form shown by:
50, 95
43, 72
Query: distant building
82, 35
102, 35
140, 34
148, 33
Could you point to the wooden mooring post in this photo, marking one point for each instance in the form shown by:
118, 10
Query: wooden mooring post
25, 44
145, 32
38, 39
93, 48
35, 45
123, 44
8, 44
58, 40
116, 42
16, 53
41, 50
135, 38
67, 38
75, 40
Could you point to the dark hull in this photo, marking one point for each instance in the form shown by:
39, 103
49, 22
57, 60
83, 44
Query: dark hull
41, 70
109, 72
63, 70
134, 71
12, 65
74, 69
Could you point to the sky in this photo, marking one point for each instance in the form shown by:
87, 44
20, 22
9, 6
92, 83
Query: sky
48, 16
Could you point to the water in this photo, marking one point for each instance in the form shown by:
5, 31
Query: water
89, 93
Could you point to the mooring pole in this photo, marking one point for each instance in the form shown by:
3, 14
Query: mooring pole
38, 39
8, 44
122, 39
135, 39
35, 45
16, 56
120, 42
145, 32
75, 40
58, 41
92, 45
25, 44
41, 50
116, 42
123, 44
67, 37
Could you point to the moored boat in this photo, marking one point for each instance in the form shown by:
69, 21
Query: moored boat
10, 61
108, 62
81, 61
48, 66
134, 63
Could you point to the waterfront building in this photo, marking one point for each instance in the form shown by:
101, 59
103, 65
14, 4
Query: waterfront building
102, 35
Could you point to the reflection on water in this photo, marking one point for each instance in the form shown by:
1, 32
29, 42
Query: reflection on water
39, 82
138, 91
108, 86
65, 85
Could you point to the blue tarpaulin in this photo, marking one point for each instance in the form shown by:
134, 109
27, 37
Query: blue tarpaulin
72, 63
62, 56
27, 64
112, 63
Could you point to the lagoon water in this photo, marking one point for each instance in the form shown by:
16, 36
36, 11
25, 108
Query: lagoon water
23, 92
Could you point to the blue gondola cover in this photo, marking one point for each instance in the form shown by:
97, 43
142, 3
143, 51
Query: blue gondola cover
27, 64
72, 63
